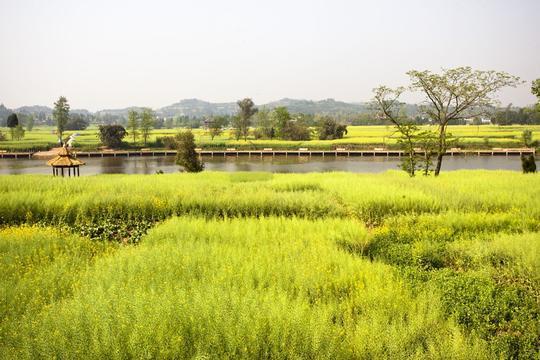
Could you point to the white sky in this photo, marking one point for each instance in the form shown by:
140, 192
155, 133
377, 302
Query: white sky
112, 54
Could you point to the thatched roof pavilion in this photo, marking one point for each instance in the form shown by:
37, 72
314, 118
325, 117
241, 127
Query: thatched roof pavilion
64, 160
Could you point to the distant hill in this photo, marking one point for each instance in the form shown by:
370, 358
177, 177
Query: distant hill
117, 112
196, 108
34, 109
200, 108
326, 107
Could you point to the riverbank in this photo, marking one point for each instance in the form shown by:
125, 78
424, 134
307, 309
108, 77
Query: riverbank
43, 138
265, 152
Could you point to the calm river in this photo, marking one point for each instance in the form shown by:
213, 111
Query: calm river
279, 164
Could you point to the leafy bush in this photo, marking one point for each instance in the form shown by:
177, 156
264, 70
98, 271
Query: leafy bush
112, 135
168, 142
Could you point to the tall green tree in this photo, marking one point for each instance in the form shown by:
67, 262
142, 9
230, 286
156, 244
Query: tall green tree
279, 117
147, 124
133, 124
265, 128
12, 122
456, 94
246, 110
61, 116
186, 155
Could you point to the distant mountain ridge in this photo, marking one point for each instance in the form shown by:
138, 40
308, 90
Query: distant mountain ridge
200, 108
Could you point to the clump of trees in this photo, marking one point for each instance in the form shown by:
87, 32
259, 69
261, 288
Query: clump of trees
77, 122
278, 123
511, 115
112, 135
186, 155
452, 95
329, 129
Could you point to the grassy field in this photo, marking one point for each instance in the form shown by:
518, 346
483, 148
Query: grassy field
486, 136
259, 265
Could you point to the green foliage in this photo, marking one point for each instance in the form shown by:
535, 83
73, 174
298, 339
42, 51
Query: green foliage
245, 288
243, 120
147, 124
216, 124
279, 118
29, 122
40, 267
133, 124
76, 122
168, 142
112, 135
186, 155
12, 121
17, 133
528, 164
61, 115
330, 265
535, 89
329, 129
265, 126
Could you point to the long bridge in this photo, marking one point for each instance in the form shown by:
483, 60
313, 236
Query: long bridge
277, 152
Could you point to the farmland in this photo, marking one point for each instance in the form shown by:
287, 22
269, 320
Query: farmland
253, 265
486, 136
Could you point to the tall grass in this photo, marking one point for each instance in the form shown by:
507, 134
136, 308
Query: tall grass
39, 267
245, 288
369, 197
266, 265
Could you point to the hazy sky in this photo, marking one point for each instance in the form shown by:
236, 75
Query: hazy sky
112, 54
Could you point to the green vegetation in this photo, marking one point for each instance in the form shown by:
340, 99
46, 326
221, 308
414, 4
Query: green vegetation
61, 116
186, 156
251, 265
112, 135
357, 137
453, 95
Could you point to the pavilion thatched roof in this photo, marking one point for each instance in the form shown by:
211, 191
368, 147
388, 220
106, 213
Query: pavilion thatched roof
64, 159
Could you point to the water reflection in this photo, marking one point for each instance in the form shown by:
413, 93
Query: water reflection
279, 164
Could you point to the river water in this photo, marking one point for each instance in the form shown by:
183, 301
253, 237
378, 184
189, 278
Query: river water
278, 164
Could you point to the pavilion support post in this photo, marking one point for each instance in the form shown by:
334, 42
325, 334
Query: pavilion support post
62, 172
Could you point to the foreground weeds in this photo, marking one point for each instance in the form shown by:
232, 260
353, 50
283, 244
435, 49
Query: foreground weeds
255, 265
